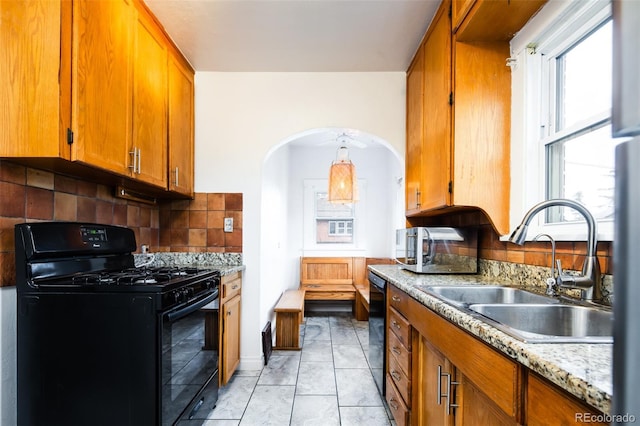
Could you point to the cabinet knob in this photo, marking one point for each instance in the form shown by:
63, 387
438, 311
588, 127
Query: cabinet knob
395, 298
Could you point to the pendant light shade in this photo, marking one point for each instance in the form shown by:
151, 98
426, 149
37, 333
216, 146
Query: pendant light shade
343, 183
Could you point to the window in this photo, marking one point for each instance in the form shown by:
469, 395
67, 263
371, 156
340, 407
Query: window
331, 228
328, 228
562, 108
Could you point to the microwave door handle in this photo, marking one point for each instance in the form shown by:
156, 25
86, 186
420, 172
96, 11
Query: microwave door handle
411, 249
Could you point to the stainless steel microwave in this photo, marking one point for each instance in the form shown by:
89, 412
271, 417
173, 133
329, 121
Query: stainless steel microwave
438, 250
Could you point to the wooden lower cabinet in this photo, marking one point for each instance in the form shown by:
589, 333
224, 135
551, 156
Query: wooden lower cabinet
549, 405
230, 314
456, 379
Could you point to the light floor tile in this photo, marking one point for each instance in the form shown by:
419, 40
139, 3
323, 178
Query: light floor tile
349, 356
356, 388
358, 416
233, 398
316, 378
317, 351
269, 406
315, 410
281, 370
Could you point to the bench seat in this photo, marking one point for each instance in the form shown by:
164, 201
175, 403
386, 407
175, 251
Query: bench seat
289, 315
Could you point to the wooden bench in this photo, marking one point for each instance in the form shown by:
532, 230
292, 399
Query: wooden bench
289, 315
339, 278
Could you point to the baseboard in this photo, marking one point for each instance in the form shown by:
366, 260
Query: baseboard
251, 363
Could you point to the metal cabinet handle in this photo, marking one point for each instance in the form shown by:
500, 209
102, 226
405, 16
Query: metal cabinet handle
139, 161
134, 161
395, 324
418, 194
395, 298
177, 177
447, 395
439, 392
395, 350
233, 287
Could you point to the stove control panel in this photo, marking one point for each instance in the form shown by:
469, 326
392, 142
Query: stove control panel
93, 234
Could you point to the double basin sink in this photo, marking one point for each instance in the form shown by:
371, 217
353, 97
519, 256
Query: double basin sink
529, 317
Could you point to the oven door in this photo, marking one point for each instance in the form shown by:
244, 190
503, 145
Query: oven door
189, 360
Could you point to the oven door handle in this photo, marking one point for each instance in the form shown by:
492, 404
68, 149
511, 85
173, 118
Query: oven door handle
186, 310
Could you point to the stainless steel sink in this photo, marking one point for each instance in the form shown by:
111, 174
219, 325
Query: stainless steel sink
549, 323
472, 294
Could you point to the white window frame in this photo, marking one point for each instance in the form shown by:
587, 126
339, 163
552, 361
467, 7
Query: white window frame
552, 30
310, 245
340, 227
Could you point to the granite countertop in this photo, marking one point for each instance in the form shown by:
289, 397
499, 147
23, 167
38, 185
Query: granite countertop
584, 370
226, 263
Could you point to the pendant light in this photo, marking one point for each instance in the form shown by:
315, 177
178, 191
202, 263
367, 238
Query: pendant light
343, 183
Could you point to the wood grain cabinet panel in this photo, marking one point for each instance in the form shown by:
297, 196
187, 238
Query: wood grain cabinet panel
549, 405
465, 112
181, 124
35, 78
149, 139
102, 83
86, 89
230, 321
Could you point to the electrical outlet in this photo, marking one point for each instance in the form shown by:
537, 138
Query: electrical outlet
228, 224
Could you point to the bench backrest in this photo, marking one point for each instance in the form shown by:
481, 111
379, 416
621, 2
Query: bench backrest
326, 270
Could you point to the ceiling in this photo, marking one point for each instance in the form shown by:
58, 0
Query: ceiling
296, 35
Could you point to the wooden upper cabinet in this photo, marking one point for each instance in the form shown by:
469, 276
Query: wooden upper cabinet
181, 123
459, 9
466, 110
415, 102
436, 146
86, 87
102, 81
492, 20
34, 78
482, 117
149, 144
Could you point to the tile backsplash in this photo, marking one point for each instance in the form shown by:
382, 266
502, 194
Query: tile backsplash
29, 195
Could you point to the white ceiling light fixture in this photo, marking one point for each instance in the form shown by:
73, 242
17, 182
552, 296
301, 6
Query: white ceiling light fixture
343, 183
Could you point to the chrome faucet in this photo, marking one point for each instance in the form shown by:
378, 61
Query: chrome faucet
589, 281
551, 280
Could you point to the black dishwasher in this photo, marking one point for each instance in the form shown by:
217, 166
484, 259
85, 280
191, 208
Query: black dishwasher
377, 327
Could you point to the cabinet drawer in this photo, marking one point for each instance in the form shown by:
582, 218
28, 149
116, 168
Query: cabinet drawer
401, 354
398, 408
400, 327
401, 381
399, 300
231, 285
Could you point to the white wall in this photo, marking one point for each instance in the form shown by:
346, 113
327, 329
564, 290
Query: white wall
240, 117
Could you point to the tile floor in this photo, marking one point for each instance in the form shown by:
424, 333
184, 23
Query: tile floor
328, 382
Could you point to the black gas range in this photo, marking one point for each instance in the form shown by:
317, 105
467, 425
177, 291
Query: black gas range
101, 341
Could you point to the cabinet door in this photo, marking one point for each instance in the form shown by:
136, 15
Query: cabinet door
429, 368
546, 405
230, 356
150, 102
415, 101
474, 408
34, 78
482, 95
180, 127
436, 148
101, 83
